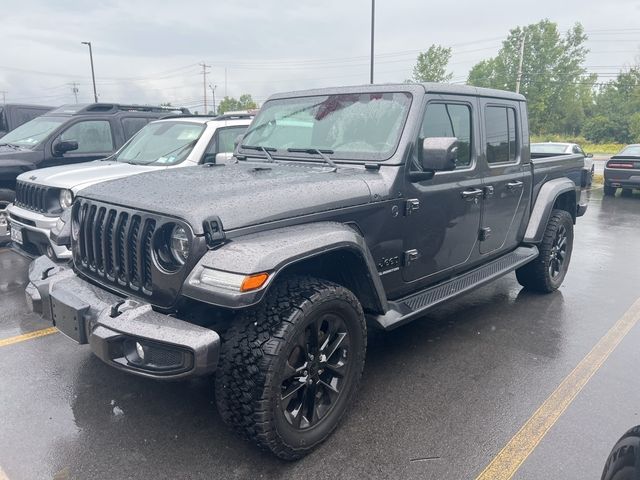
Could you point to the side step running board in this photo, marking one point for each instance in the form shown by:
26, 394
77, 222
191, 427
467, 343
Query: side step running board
408, 308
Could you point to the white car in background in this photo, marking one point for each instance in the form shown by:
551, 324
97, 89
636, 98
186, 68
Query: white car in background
172, 142
548, 149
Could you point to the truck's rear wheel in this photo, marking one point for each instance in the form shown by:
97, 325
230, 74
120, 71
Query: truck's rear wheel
290, 367
546, 273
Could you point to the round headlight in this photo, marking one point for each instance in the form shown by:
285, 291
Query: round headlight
66, 198
179, 244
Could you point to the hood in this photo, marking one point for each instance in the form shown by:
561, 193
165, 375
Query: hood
25, 157
80, 175
240, 194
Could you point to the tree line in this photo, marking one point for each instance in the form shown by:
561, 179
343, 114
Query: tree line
563, 97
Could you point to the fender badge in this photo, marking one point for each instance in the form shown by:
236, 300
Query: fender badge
32, 177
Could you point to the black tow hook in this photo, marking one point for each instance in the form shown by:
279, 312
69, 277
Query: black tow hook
114, 309
45, 273
125, 304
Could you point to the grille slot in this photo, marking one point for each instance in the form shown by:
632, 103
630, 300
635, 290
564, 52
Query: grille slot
116, 245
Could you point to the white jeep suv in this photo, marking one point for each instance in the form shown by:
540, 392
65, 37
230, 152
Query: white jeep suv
172, 142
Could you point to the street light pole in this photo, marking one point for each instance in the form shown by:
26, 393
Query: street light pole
93, 75
373, 21
213, 96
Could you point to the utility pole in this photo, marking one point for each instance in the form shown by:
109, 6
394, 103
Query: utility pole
204, 84
225, 82
93, 75
4, 96
519, 78
373, 22
74, 89
213, 97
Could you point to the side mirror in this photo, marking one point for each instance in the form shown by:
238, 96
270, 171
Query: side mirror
237, 141
589, 155
63, 146
223, 157
439, 154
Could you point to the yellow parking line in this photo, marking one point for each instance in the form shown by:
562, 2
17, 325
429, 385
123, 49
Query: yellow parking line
27, 336
511, 457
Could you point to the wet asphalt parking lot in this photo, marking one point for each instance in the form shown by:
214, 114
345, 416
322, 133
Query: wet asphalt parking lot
439, 399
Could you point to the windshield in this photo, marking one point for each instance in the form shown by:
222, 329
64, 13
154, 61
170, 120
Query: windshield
162, 143
548, 148
350, 126
33, 132
633, 150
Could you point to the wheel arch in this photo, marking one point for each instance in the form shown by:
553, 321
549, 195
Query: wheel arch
560, 193
326, 250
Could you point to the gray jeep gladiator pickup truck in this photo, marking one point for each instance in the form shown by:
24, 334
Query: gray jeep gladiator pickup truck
345, 209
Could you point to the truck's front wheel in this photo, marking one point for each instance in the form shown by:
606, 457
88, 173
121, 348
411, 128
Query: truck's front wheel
546, 273
290, 367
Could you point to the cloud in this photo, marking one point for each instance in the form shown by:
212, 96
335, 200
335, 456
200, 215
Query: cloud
147, 51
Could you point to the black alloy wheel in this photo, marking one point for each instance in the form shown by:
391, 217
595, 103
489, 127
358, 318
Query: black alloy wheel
558, 252
315, 370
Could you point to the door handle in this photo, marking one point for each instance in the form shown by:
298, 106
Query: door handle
472, 194
514, 185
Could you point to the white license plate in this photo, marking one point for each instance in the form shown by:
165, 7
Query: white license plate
16, 235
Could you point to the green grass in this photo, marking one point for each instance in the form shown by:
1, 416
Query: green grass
595, 148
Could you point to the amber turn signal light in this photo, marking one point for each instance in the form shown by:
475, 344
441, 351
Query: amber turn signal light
253, 282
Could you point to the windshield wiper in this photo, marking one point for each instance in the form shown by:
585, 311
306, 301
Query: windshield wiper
323, 153
260, 148
15, 147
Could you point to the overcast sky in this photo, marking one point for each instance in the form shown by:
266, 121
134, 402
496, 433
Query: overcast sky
147, 51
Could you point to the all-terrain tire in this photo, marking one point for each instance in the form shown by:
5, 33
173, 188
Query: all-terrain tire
546, 273
267, 343
609, 191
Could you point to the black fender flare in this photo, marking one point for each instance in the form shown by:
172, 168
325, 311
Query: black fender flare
546, 199
273, 251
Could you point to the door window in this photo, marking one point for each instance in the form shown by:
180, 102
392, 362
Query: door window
224, 139
450, 120
501, 134
93, 136
131, 126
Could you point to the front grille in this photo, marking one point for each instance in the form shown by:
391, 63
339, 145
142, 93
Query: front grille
115, 245
34, 197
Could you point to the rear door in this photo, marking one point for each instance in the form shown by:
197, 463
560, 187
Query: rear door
442, 231
506, 185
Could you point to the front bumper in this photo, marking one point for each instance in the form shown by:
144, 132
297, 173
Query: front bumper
36, 229
125, 333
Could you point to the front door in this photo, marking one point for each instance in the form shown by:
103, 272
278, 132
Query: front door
506, 184
442, 230
94, 138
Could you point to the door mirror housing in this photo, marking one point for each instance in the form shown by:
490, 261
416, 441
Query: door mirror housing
439, 154
237, 141
589, 155
223, 157
63, 146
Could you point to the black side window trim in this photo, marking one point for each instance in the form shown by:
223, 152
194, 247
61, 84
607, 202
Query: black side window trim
472, 147
518, 137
